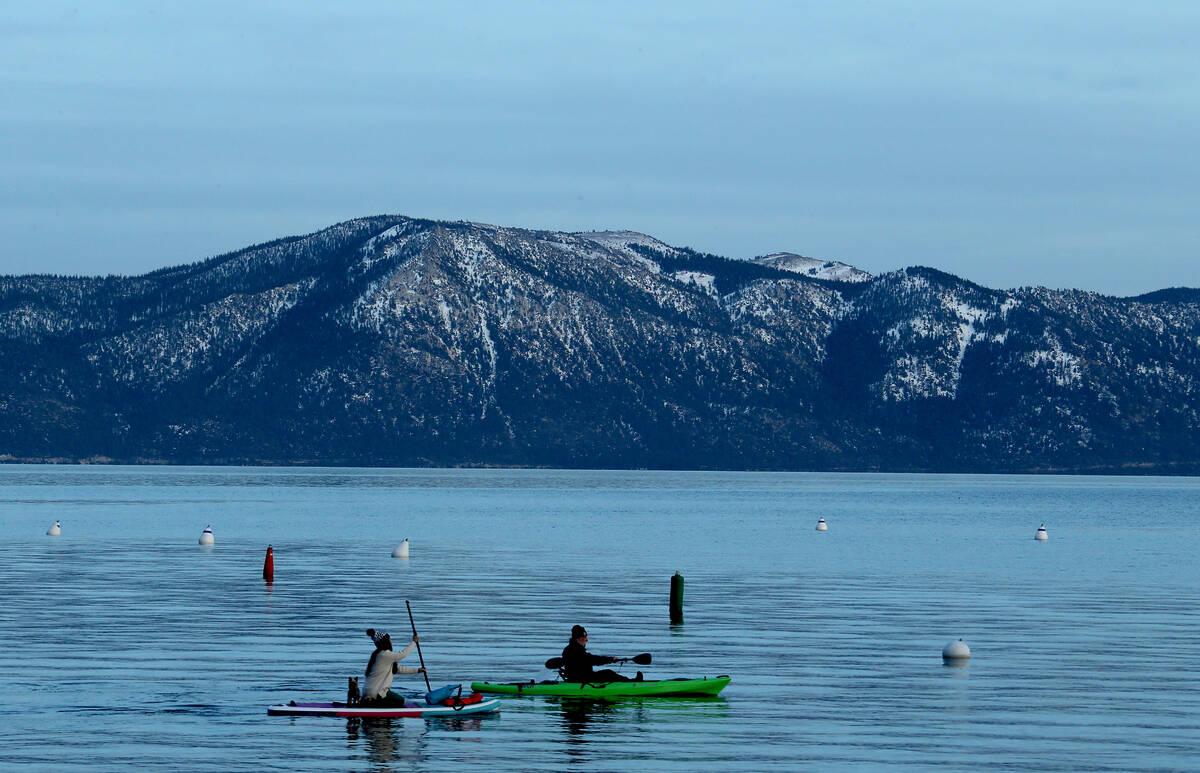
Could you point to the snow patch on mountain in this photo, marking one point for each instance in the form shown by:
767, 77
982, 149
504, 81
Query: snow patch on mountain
968, 317
812, 267
620, 239
1061, 367
173, 348
706, 282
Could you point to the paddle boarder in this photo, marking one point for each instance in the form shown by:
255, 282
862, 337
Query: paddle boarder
384, 663
578, 662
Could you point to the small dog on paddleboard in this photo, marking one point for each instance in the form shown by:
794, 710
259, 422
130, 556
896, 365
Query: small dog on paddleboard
352, 691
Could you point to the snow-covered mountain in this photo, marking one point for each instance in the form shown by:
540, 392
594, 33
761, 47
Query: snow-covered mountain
814, 268
392, 340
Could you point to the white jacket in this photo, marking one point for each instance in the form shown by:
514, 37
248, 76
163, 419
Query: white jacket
379, 681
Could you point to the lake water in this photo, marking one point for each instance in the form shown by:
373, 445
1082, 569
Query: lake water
124, 644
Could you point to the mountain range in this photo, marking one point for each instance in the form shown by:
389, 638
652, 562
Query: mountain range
399, 341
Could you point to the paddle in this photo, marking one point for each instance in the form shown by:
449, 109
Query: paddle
641, 660
419, 655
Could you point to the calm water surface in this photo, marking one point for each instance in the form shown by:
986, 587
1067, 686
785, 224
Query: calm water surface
124, 644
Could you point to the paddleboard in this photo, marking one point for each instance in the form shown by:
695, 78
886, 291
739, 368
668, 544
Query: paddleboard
410, 709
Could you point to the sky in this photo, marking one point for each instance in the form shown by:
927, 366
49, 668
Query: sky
1013, 144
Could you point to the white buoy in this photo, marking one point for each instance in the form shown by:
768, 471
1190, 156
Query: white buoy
55, 530
206, 536
401, 550
1041, 533
956, 651
821, 525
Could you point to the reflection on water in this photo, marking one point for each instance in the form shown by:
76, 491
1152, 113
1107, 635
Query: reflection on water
399, 744
382, 742
577, 713
833, 640
587, 720
460, 724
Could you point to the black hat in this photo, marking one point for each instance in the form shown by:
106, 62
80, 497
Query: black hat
577, 631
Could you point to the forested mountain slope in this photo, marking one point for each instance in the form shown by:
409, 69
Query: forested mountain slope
397, 341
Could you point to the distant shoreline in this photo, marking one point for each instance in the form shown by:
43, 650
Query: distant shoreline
1181, 470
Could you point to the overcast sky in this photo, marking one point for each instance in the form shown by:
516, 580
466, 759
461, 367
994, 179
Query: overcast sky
1017, 143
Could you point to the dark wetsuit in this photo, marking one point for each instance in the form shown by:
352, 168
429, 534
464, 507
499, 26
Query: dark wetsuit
578, 663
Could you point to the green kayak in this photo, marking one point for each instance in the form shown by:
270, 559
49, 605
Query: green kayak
705, 686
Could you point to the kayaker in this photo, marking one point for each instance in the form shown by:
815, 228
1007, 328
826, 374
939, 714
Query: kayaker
578, 662
381, 667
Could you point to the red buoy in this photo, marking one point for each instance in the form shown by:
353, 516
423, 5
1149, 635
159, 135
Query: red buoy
269, 566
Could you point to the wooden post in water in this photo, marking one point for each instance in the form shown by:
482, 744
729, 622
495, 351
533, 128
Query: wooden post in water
677, 599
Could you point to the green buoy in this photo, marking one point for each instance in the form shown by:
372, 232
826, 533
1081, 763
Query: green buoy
677, 599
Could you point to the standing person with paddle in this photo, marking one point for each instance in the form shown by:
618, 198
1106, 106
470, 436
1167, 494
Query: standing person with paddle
381, 667
578, 663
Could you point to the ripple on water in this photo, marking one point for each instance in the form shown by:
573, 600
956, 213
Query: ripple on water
123, 644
